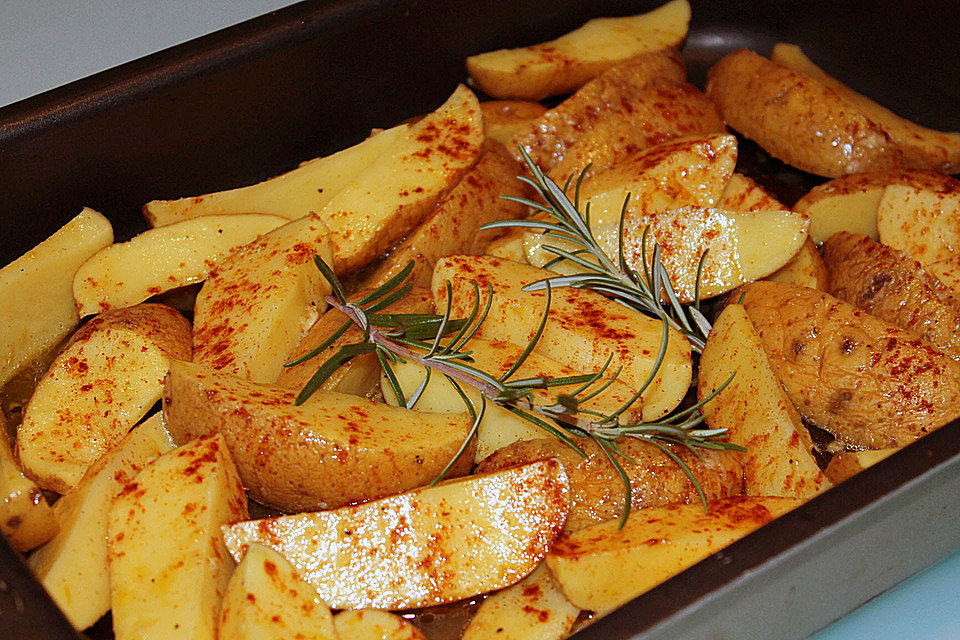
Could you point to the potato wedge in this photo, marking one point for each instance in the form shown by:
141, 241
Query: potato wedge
257, 305
168, 564
849, 463
584, 328
922, 148
850, 203
565, 64
158, 260
892, 286
36, 294
26, 520
596, 489
503, 119
797, 119
73, 566
509, 246
292, 195
425, 547
332, 451
869, 383
454, 226
947, 271
743, 194
500, 427
921, 222
755, 411
602, 567
663, 110
617, 90
532, 609
102, 383
361, 375
266, 600
374, 624
805, 269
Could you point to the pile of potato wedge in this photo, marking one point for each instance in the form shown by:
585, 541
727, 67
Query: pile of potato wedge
838, 314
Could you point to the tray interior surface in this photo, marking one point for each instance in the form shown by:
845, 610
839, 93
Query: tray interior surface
252, 101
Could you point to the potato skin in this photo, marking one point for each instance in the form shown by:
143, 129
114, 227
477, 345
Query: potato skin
892, 286
596, 491
869, 383
796, 118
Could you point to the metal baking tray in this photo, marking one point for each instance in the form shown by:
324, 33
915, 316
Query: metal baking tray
253, 100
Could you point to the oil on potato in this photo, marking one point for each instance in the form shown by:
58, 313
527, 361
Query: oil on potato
334, 450
797, 119
565, 64
869, 383
424, 547
374, 624
106, 379
26, 519
503, 119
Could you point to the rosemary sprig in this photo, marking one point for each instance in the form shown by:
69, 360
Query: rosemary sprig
617, 280
439, 343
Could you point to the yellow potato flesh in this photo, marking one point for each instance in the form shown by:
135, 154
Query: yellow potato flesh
602, 567
533, 609
73, 566
756, 411
564, 64
101, 384
267, 600
168, 564
805, 269
254, 309
743, 194
36, 294
584, 328
922, 222
373, 624
26, 520
161, 259
425, 547
849, 463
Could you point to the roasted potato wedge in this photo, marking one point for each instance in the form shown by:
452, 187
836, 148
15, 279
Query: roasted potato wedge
332, 451
35, 323
602, 567
596, 489
503, 119
565, 64
924, 223
374, 624
26, 520
806, 269
615, 91
922, 148
742, 193
454, 226
755, 411
104, 381
797, 119
584, 329
257, 305
891, 285
425, 547
73, 566
869, 383
168, 564
157, 260
846, 464
266, 600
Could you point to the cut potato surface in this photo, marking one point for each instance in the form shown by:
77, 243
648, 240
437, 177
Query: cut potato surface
334, 450
102, 383
266, 600
655, 544
922, 148
596, 488
869, 383
847, 464
805, 269
755, 411
161, 259
503, 119
73, 566
924, 223
168, 564
36, 291
565, 64
374, 624
584, 329
796, 118
26, 520
743, 194
425, 547
892, 286
257, 305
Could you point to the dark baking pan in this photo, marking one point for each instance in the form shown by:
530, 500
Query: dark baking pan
253, 100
